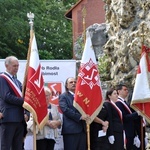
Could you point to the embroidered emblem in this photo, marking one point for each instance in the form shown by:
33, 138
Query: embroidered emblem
37, 80
89, 74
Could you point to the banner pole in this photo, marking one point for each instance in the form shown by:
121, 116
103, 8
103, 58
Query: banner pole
84, 25
31, 18
142, 135
88, 135
84, 36
34, 135
141, 119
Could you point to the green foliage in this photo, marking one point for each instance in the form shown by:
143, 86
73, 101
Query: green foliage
52, 30
44, 54
12, 29
69, 3
104, 67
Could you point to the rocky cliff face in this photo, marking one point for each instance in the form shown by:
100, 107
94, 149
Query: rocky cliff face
117, 42
128, 24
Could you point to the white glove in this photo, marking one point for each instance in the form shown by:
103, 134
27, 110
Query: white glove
137, 142
146, 141
111, 139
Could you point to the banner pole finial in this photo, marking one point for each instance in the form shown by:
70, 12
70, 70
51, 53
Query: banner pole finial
30, 18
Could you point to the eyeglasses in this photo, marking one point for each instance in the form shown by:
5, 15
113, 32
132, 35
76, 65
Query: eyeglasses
72, 82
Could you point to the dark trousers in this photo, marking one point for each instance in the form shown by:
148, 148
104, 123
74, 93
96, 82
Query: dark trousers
129, 145
11, 136
45, 144
100, 143
119, 141
75, 141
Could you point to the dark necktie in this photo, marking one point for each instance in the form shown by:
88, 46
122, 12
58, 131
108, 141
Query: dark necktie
50, 114
15, 81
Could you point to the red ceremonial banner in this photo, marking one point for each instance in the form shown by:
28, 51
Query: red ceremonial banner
88, 93
35, 100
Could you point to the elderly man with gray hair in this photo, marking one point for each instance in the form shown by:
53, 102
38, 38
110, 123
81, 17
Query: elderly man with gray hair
11, 101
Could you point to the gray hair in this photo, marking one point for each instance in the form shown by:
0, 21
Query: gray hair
9, 59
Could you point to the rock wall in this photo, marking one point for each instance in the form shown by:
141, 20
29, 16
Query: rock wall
99, 37
128, 26
118, 41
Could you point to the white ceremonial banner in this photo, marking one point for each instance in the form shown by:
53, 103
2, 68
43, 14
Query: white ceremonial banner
55, 73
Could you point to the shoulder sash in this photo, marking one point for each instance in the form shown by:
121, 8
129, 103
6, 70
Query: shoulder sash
116, 107
126, 107
13, 85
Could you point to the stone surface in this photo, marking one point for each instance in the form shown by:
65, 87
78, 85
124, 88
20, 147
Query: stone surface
129, 27
120, 39
99, 37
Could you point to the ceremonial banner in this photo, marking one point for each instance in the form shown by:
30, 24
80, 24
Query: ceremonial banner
88, 94
141, 93
35, 100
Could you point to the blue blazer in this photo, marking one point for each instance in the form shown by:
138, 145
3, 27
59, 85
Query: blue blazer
71, 116
10, 104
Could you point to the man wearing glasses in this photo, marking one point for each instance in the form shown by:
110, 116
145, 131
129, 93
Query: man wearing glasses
73, 128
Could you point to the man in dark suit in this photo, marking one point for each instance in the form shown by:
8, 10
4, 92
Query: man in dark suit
139, 125
73, 128
11, 101
128, 116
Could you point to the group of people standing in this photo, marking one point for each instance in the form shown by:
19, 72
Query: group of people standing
122, 130
115, 127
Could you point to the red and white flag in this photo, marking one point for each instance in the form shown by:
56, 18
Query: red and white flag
35, 100
141, 93
88, 93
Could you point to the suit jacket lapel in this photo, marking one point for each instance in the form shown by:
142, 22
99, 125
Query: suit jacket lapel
12, 84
